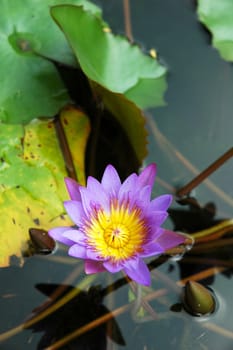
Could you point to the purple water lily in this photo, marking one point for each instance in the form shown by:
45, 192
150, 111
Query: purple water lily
117, 223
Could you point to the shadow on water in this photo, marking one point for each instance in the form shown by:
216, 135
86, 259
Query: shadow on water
84, 308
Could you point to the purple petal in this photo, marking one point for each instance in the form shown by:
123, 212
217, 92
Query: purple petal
112, 267
93, 266
57, 234
73, 189
143, 198
75, 236
78, 251
161, 203
155, 233
94, 195
138, 271
145, 193
157, 218
128, 188
93, 255
147, 176
110, 180
151, 249
170, 239
75, 211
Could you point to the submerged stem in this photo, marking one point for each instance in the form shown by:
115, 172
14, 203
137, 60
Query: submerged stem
65, 149
205, 173
127, 16
216, 230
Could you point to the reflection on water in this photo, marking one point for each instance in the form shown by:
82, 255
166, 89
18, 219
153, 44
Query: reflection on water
105, 311
108, 311
82, 309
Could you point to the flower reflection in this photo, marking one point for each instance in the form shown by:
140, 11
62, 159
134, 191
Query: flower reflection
79, 311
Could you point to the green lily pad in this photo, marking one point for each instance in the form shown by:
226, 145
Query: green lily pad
110, 60
30, 20
217, 16
32, 172
31, 86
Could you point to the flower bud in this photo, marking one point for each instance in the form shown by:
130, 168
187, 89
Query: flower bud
198, 300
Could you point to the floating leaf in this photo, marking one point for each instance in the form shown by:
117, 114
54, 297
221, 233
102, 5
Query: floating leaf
129, 116
32, 175
31, 85
110, 60
217, 16
148, 92
31, 20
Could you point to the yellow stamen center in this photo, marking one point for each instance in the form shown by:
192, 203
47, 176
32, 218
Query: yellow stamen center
117, 235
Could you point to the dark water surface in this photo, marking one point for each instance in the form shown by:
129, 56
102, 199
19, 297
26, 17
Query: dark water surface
185, 136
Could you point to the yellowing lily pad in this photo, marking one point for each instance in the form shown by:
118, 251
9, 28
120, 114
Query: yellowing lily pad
32, 171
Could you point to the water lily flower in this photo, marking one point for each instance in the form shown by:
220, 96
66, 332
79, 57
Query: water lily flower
117, 224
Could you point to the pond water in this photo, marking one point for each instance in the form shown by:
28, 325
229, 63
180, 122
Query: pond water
185, 136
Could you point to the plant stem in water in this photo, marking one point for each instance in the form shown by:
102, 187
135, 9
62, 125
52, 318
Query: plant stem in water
205, 173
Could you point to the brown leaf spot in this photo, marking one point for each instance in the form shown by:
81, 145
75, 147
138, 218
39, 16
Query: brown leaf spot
36, 221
